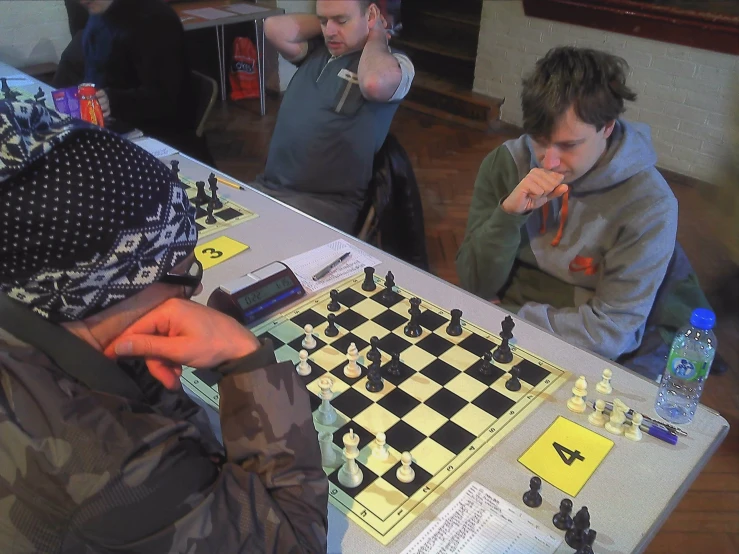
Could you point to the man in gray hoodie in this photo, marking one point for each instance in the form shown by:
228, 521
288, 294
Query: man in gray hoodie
571, 225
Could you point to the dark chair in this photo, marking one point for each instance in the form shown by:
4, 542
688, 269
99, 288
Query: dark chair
206, 92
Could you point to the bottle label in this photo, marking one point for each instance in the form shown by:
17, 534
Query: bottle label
686, 369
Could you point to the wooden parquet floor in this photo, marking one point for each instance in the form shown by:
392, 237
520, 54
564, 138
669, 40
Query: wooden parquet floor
446, 158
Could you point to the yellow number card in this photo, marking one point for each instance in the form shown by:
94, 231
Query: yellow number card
218, 250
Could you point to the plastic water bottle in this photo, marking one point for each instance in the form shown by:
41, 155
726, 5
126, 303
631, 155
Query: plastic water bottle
687, 369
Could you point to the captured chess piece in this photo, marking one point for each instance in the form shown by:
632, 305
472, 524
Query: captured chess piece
333, 305
588, 540
562, 520
309, 342
633, 431
413, 328
598, 418
486, 367
332, 330
513, 383
210, 220
454, 328
352, 369
615, 423
379, 447
581, 523
175, 165
304, 367
579, 392
604, 385
40, 96
369, 279
503, 354
532, 497
202, 197
373, 355
374, 378
394, 367
405, 472
350, 474
326, 414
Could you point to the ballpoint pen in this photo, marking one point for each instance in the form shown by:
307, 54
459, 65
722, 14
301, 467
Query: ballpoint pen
650, 427
671, 428
326, 270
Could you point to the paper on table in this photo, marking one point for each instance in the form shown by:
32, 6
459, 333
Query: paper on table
477, 522
209, 13
246, 8
307, 264
156, 148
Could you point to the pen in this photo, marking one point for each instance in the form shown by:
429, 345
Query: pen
672, 429
655, 431
326, 270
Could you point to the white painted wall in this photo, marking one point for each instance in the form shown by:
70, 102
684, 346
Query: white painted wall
32, 31
687, 95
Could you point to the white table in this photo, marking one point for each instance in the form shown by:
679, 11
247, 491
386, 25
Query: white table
629, 496
191, 22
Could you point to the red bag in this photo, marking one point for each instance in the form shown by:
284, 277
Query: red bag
244, 73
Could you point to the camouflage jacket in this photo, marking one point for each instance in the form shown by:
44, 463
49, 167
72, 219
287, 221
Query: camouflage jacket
82, 471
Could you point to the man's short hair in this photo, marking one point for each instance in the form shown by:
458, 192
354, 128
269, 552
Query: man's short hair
365, 4
591, 81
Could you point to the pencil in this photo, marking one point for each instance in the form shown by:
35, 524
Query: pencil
228, 183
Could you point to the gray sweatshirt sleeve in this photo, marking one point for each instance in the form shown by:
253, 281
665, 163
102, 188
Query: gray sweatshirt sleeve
612, 322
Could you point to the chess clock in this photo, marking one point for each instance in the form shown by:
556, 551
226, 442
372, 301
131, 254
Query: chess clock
257, 294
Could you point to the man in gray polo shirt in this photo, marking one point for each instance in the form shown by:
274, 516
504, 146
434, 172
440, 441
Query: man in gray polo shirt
336, 111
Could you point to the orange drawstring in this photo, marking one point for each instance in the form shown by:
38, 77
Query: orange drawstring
562, 218
544, 217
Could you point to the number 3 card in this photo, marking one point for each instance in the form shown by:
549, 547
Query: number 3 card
566, 455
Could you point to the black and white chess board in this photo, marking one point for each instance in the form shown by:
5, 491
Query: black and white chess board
440, 407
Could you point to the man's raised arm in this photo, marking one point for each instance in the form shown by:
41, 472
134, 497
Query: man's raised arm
290, 34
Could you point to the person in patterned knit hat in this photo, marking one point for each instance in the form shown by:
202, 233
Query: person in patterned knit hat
100, 448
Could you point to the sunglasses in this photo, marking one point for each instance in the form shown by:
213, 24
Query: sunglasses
190, 280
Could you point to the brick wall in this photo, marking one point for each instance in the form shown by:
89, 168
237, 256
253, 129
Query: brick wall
32, 31
687, 95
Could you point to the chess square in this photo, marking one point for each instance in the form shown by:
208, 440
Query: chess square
368, 477
286, 354
416, 358
409, 489
338, 387
200, 212
338, 372
308, 317
532, 373
452, 437
297, 344
210, 378
446, 403
400, 331
321, 307
402, 437
466, 387
376, 419
315, 402
477, 345
431, 320
199, 227
391, 343
365, 437
287, 332
459, 357
276, 343
440, 371
398, 402
424, 419
350, 297
404, 370
381, 498
431, 456
473, 419
494, 374
420, 387
361, 387
350, 320
390, 320
370, 329
378, 466
228, 214
493, 403
369, 308
392, 297
435, 345
351, 403
342, 343
326, 358
500, 386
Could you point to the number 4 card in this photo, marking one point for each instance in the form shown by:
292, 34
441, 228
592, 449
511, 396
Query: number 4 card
566, 455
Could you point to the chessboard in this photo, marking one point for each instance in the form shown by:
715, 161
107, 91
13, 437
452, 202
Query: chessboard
24, 94
214, 213
443, 397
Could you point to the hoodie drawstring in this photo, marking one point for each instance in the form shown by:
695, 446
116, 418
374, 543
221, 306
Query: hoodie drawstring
562, 218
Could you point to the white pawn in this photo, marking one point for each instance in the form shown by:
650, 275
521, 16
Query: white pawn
328, 454
598, 418
326, 413
352, 369
379, 448
579, 392
604, 385
309, 342
615, 423
304, 367
633, 432
405, 473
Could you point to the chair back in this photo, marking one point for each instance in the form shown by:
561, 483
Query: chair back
206, 92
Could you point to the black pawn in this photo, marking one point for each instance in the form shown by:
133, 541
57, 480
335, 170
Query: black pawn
413, 329
532, 497
214, 195
374, 379
334, 305
374, 352
202, 197
394, 367
210, 220
369, 279
486, 367
562, 520
581, 523
331, 330
175, 165
454, 328
588, 540
513, 384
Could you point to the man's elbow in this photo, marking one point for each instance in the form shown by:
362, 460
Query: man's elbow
375, 89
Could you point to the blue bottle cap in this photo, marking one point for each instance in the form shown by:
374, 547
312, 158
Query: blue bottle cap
703, 319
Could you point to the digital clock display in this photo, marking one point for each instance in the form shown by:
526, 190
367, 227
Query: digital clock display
274, 288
